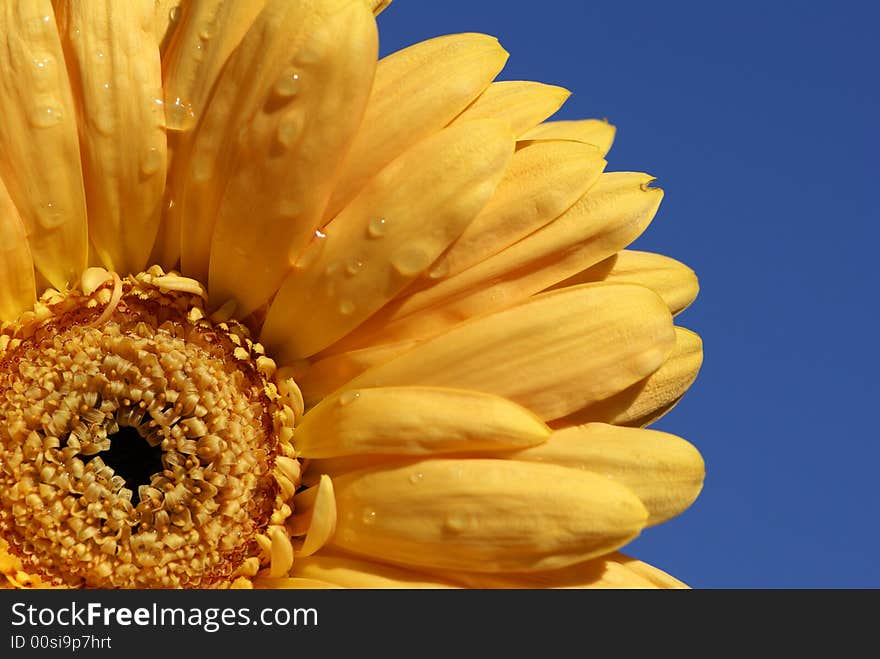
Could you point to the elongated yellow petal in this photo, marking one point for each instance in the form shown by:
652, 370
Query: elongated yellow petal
315, 516
417, 91
653, 574
413, 421
328, 374
592, 131
663, 470
673, 281
113, 59
284, 173
646, 401
483, 515
350, 572
387, 236
607, 572
266, 60
541, 182
166, 20
18, 290
606, 219
377, 6
208, 32
552, 354
523, 105
292, 583
39, 149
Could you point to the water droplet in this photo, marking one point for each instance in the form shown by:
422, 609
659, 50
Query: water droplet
47, 115
50, 216
349, 397
416, 478
174, 14
312, 251
368, 517
179, 115
289, 130
320, 234
456, 523
289, 208
346, 308
42, 62
288, 84
410, 260
202, 169
377, 227
105, 121
152, 161
208, 30
440, 270
353, 266
307, 56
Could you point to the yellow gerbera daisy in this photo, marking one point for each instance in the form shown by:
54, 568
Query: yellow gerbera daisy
276, 314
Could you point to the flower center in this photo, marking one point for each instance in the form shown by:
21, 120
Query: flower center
138, 438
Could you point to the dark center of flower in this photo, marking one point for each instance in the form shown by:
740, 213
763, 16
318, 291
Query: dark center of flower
138, 439
131, 457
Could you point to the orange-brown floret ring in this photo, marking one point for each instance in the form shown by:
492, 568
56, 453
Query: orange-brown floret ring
94, 384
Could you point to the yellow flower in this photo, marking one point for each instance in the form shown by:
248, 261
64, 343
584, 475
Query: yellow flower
278, 315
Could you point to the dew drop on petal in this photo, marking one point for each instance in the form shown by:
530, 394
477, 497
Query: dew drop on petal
46, 115
353, 266
311, 252
289, 130
440, 270
151, 162
346, 307
179, 115
368, 517
416, 478
410, 260
349, 397
377, 227
288, 84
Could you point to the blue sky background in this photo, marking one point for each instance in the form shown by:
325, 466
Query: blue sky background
760, 121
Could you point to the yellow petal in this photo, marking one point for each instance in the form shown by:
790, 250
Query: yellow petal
283, 175
116, 76
663, 470
292, 583
387, 236
606, 219
417, 91
606, 573
247, 83
540, 183
554, 354
166, 21
523, 105
413, 421
350, 572
483, 515
328, 374
207, 33
673, 281
39, 148
18, 291
315, 513
592, 131
646, 401
655, 575
377, 6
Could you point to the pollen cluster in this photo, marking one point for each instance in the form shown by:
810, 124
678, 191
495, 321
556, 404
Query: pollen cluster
136, 364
